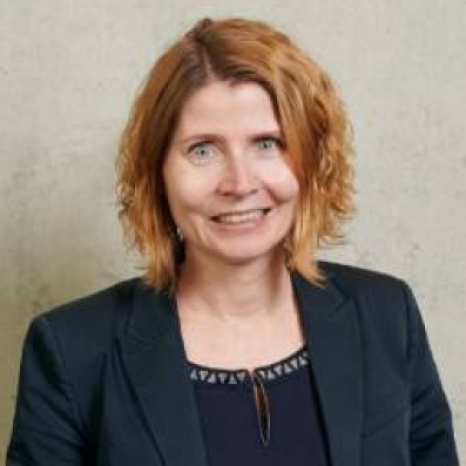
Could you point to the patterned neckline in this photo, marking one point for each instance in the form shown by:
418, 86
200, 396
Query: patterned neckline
277, 370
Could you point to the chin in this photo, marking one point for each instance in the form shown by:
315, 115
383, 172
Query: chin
243, 256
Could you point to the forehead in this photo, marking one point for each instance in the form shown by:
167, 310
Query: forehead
221, 106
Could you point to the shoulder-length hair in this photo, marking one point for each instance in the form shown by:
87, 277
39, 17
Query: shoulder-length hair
316, 134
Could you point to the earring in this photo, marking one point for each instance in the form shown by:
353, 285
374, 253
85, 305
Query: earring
287, 243
288, 250
179, 234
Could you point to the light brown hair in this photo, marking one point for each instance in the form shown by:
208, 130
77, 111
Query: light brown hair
316, 133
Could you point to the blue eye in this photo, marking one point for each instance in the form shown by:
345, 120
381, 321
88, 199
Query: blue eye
201, 151
269, 143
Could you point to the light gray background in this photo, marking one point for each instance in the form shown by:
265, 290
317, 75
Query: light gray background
69, 71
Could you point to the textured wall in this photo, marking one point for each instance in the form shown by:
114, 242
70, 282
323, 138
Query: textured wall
69, 70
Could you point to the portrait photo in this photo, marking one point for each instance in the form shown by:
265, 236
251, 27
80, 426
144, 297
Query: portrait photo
233, 233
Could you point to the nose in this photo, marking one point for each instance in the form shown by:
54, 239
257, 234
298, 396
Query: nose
238, 178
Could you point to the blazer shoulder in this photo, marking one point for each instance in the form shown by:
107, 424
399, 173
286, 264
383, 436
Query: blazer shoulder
93, 320
384, 303
355, 282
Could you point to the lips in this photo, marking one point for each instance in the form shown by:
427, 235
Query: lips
241, 216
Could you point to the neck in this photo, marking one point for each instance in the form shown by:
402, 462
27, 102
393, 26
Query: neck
233, 292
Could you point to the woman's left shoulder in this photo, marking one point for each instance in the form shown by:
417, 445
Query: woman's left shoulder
357, 283
382, 301
385, 307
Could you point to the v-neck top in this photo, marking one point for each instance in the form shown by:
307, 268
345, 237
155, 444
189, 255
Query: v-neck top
268, 416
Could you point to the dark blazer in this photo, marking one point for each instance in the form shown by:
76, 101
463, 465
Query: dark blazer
104, 380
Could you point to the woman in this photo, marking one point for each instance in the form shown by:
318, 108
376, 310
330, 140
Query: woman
238, 347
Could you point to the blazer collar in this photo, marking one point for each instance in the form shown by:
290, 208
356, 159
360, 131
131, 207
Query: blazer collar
154, 357
333, 342
155, 360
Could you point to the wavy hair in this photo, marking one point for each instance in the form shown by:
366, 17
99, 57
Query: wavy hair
312, 117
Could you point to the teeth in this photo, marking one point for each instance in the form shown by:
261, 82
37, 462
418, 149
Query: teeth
250, 216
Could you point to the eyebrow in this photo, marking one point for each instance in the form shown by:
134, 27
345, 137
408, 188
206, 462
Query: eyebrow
275, 133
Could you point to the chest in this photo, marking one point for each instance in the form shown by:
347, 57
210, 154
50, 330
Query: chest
241, 345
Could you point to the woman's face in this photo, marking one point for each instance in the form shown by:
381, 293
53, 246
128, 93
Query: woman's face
228, 186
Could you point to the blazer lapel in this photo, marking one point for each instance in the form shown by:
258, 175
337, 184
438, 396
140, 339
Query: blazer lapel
153, 354
330, 321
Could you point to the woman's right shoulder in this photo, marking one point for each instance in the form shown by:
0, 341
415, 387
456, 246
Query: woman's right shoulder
91, 323
66, 353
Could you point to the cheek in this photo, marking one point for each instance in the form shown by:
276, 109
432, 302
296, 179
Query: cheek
282, 183
186, 193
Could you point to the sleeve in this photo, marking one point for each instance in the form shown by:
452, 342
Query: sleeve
432, 439
46, 427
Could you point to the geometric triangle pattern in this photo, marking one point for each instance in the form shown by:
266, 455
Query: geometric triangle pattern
272, 371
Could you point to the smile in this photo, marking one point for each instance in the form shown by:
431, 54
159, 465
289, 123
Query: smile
241, 217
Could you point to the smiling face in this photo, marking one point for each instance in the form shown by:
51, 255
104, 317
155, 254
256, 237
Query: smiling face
228, 186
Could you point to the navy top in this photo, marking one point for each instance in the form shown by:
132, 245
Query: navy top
269, 416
